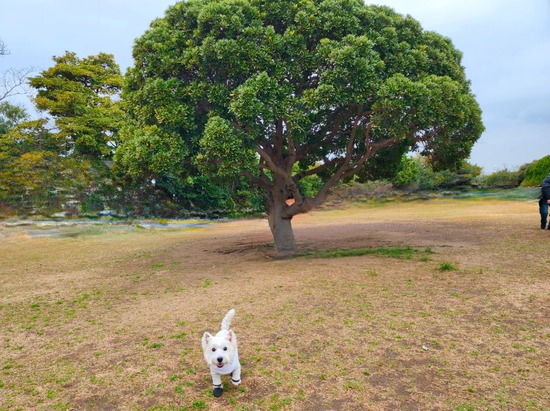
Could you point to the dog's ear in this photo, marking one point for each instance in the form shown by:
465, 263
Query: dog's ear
205, 338
232, 337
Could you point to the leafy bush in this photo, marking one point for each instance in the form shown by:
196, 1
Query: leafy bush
536, 172
407, 175
503, 179
416, 173
310, 185
427, 179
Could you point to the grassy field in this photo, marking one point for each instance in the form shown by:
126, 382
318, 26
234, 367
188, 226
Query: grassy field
427, 305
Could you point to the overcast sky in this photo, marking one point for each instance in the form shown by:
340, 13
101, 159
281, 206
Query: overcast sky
506, 47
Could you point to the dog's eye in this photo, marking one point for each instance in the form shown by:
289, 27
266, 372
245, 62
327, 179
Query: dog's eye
225, 348
213, 349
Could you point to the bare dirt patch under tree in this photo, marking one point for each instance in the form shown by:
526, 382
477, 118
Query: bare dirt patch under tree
112, 319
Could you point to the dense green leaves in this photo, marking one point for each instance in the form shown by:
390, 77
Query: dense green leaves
256, 63
10, 116
259, 101
350, 75
152, 149
433, 112
536, 172
221, 151
79, 95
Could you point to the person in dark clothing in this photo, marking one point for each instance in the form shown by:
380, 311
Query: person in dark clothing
543, 202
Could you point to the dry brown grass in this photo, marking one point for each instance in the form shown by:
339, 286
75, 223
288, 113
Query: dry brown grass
112, 319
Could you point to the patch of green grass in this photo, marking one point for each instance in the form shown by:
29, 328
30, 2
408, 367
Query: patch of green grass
62, 406
354, 385
8, 366
393, 252
278, 403
523, 347
175, 377
199, 405
447, 267
80, 300
372, 273
147, 344
155, 345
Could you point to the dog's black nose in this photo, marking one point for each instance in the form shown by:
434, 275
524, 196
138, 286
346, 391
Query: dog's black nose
220, 359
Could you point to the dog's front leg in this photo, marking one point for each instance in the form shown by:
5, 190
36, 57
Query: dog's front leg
217, 382
236, 375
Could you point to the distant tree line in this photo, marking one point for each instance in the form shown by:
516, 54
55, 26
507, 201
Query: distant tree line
415, 174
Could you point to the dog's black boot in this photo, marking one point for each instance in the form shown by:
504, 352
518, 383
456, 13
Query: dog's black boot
218, 391
237, 382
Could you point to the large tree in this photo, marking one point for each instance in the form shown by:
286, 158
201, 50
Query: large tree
280, 90
81, 94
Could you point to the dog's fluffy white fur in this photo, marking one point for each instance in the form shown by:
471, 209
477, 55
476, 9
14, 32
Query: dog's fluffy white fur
222, 355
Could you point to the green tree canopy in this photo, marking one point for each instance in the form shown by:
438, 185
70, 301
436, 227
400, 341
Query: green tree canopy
256, 87
10, 116
80, 94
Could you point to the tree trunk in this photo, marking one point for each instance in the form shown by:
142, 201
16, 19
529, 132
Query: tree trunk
280, 219
281, 228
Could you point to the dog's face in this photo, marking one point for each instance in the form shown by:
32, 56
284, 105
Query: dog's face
219, 349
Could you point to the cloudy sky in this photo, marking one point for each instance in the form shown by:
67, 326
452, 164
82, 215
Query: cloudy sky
506, 46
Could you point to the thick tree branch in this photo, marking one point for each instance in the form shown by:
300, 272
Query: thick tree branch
340, 114
292, 154
351, 140
350, 165
257, 181
269, 162
317, 169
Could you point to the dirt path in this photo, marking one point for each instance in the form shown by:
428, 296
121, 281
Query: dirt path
113, 320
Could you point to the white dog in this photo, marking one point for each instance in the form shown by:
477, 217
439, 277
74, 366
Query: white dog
221, 354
